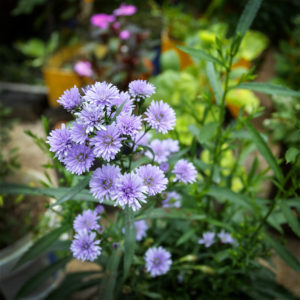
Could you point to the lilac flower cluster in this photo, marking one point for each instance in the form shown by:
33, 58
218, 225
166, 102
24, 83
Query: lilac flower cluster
105, 137
208, 238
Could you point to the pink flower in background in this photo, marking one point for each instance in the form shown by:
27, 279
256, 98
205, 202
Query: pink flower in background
102, 20
124, 35
116, 25
83, 68
125, 10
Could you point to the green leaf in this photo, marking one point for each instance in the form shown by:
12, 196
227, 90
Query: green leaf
40, 277
284, 253
143, 160
264, 150
291, 154
42, 245
117, 112
215, 83
290, 218
130, 240
73, 191
267, 88
202, 55
247, 16
207, 131
185, 237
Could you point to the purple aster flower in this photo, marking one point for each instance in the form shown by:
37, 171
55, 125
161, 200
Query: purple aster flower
160, 150
128, 105
80, 158
107, 142
154, 179
124, 35
160, 116
141, 229
130, 191
102, 94
225, 237
185, 171
88, 221
115, 245
102, 20
129, 125
70, 99
141, 89
208, 238
158, 261
164, 167
172, 199
60, 142
91, 117
125, 10
84, 246
103, 182
172, 145
100, 229
83, 68
99, 209
78, 133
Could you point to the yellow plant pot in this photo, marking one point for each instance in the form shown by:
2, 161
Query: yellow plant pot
168, 43
58, 80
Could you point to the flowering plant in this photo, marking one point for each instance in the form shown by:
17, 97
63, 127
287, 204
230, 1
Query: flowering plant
183, 228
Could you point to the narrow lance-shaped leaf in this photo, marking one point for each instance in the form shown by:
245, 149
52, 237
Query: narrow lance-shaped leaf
290, 218
267, 88
202, 55
248, 16
215, 83
42, 244
284, 253
130, 240
264, 150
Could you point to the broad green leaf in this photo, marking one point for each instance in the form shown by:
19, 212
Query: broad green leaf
74, 282
207, 131
284, 253
130, 240
235, 198
200, 54
247, 16
40, 277
215, 83
73, 191
291, 154
290, 218
268, 88
42, 245
264, 150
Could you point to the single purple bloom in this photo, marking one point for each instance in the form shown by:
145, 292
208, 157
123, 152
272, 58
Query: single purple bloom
128, 105
83, 68
70, 99
141, 89
141, 229
208, 238
173, 199
125, 10
225, 237
129, 125
100, 229
172, 145
80, 158
154, 179
103, 182
102, 94
88, 221
160, 150
91, 117
84, 246
130, 191
124, 35
60, 142
160, 116
107, 142
185, 171
102, 20
158, 261
78, 133
164, 167
99, 209
115, 245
